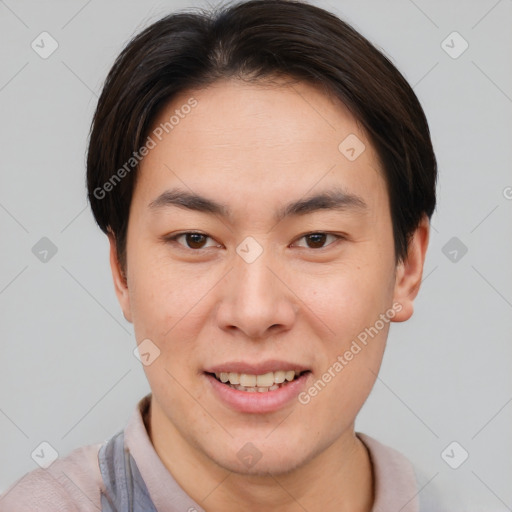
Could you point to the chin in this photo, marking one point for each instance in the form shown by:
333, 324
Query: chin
255, 458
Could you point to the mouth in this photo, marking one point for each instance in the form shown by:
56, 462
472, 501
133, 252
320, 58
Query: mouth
262, 383
263, 388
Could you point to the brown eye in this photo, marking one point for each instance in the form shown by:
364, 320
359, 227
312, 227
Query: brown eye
318, 240
195, 240
192, 240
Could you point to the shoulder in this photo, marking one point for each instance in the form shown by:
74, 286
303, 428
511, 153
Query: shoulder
396, 478
72, 484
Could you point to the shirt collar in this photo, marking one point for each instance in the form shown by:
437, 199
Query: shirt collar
394, 479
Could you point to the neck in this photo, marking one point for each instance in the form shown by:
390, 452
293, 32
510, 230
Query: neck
339, 479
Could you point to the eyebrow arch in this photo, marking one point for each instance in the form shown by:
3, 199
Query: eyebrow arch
333, 199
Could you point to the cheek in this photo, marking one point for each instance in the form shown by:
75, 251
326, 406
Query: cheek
166, 310
161, 294
351, 306
351, 301
349, 298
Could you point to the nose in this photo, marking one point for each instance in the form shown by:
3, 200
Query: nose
257, 300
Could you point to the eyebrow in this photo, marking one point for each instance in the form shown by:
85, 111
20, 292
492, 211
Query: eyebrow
333, 199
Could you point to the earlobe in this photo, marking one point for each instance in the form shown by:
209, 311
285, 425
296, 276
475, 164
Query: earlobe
410, 271
119, 278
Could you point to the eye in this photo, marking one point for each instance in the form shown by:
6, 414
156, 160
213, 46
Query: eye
192, 240
318, 240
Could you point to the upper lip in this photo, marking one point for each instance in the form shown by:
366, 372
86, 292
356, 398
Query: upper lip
270, 365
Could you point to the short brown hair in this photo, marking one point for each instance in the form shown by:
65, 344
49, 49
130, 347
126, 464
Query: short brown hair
253, 40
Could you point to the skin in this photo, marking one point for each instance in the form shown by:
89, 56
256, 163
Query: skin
256, 148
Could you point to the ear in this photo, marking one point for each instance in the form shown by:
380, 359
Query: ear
410, 271
120, 282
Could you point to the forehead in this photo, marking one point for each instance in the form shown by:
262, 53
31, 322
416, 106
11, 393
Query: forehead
260, 142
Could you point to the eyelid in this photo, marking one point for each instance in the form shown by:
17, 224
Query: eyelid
335, 235
173, 238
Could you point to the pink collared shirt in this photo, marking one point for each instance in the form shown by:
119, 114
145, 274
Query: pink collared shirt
74, 483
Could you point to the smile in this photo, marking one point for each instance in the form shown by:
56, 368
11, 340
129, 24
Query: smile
255, 389
263, 383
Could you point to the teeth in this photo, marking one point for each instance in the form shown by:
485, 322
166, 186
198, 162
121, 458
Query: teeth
247, 381
257, 383
279, 377
266, 380
234, 378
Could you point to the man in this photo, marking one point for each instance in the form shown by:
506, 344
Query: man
266, 180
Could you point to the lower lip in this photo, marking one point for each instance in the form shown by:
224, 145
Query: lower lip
258, 402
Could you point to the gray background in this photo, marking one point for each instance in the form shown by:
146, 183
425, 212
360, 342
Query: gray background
68, 375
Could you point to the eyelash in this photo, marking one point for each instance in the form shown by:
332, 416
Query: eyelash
174, 239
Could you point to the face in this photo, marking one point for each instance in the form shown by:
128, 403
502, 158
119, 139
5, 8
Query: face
256, 247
